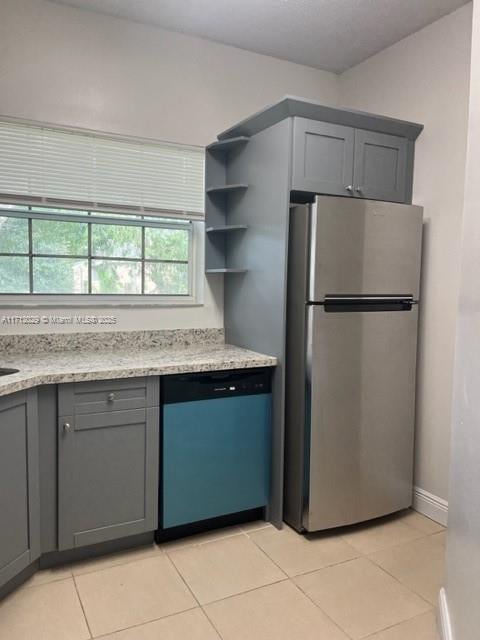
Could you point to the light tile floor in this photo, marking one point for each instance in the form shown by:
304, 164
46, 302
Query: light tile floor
251, 582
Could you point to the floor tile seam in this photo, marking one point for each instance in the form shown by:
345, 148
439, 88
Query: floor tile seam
393, 546
400, 582
177, 571
241, 593
142, 624
44, 584
118, 564
397, 624
217, 631
82, 606
269, 558
386, 572
327, 566
334, 622
424, 538
202, 544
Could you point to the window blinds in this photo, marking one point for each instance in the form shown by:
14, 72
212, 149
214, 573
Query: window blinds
83, 170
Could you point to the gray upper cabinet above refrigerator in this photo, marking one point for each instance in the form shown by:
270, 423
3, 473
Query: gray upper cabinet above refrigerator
335, 160
380, 166
323, 157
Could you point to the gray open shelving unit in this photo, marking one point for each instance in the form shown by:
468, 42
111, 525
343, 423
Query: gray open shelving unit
223, 195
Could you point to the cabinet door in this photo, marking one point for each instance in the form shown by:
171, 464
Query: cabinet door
19, 484
322, 157
107, 476
380, 170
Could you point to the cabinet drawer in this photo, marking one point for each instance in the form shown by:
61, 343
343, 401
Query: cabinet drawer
107, 395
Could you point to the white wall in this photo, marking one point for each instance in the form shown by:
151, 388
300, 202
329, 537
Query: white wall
425, 78
463, 548
76, 68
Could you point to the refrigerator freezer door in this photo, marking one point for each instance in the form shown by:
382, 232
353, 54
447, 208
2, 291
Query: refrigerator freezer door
364, 247
360, 415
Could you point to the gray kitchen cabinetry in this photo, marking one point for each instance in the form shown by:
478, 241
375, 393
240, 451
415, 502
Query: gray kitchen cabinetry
380, 166
338, 160
19, 484
108, 458
323, 157
279, 156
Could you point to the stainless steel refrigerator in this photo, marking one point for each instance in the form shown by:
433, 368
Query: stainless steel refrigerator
352, 316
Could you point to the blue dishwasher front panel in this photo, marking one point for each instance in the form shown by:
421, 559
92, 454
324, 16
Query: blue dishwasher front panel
216, 457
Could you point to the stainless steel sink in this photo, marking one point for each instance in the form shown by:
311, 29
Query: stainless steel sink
7, 372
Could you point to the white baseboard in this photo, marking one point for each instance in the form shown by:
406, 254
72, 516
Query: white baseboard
443, 619
431, 506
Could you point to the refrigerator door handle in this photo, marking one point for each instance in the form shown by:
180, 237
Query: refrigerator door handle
348, 304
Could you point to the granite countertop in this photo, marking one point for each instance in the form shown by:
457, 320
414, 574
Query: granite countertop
123, 362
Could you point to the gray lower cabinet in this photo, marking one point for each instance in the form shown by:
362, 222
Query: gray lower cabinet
107, 467
19, 484
322, 157
380, 166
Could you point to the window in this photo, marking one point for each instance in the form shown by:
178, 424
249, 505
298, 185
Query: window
86, 214
88, 253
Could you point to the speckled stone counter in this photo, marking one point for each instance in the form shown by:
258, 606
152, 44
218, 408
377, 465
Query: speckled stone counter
122, 362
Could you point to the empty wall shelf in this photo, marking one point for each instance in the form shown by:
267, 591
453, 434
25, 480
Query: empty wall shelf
223, 146
225, 270
227, 188
226, 228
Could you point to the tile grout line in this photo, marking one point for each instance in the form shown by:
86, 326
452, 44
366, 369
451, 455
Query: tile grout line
393, 546
240, 593
117, 564
183, 580
201, 544
290, 579
217, 631
397, 624
320, 608
142, 624
432, 606
82, 607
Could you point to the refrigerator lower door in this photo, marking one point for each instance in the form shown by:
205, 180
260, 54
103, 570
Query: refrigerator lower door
360, 414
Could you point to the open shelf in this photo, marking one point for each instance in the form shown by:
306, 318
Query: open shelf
225, 270
227, 145
227, 188
226, 228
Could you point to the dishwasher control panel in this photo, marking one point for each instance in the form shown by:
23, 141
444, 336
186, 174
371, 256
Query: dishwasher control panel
215, 384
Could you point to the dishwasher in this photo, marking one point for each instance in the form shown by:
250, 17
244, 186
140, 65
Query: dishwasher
215, 445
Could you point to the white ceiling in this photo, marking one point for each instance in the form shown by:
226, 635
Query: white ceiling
333, 35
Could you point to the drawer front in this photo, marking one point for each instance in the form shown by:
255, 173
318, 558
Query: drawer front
102, 396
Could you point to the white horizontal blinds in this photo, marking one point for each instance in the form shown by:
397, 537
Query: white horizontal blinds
40, 164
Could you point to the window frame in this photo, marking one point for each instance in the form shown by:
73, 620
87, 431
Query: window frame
193, 227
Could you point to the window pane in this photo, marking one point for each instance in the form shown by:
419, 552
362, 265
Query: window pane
115, 241
61, 238
60, 275
166, 244
115, 276
13, 235
166, 278
14, 275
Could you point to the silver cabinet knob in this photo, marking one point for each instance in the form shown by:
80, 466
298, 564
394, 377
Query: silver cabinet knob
111, 397
67, 426
349, 188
